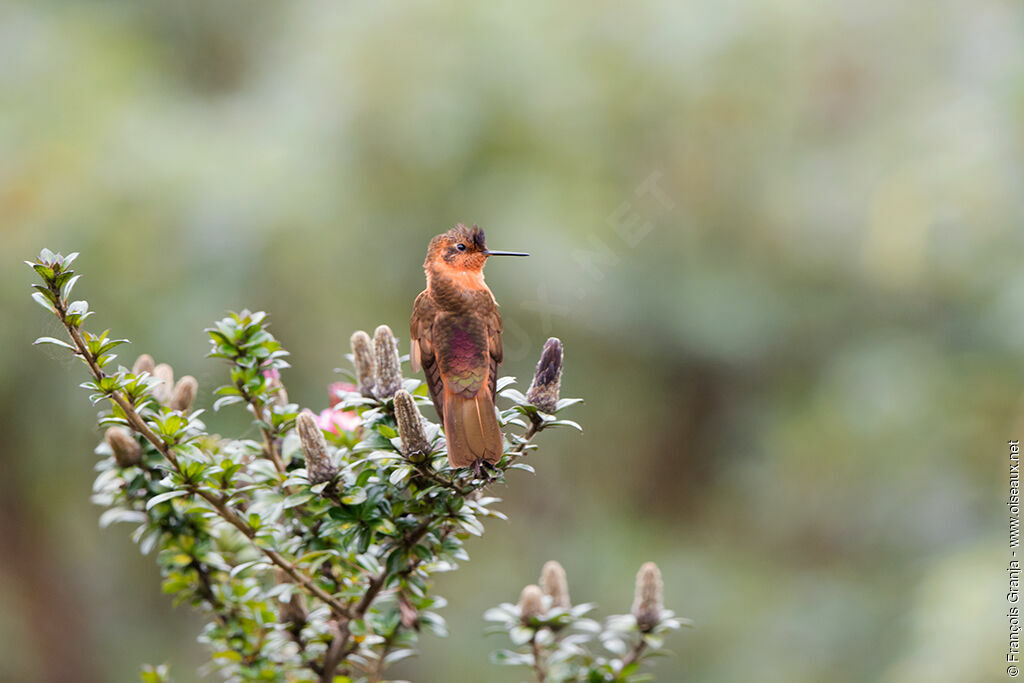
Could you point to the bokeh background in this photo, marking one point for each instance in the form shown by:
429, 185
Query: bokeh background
781, 241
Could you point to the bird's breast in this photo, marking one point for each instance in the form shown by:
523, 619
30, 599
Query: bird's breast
456, 290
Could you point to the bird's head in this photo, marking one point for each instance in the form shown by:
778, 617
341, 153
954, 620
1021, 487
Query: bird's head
461, 249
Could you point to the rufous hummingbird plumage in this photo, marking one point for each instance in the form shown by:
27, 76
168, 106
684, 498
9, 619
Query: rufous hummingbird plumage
456, 339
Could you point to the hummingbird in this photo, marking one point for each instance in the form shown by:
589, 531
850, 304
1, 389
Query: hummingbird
456, 338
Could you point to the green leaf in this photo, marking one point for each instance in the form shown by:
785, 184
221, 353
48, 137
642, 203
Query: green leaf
238, 569
155, 674
504, 383
515, 396
471, 524
45, 272
520, 635
313, 555
398, 655
65, 290
115, 515
497, 614
400, 474
43, 301
56, 342
226, 401
510, 658
164, 497
566, 402
354, 497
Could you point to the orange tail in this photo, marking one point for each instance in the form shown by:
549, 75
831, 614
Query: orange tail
471, 429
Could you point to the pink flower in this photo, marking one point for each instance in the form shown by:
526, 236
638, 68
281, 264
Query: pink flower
336, 391
337, 421
272, 373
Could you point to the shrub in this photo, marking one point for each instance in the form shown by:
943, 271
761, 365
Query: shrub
311, 549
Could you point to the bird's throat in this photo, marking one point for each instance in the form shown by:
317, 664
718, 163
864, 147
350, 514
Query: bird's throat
458, 278
454, 288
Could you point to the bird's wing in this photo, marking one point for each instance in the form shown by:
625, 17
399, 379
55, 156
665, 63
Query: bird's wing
463, 347
495, 350
424, 312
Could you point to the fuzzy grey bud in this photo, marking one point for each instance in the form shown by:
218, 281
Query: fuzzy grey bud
143, 363
127, 451
366, 364
314, 445
162, 391
388, 379
184, 393
547, 380
531, 604
555, 584
649, 597
410, 427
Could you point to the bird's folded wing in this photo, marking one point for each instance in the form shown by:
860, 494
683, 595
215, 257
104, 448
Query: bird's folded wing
421, 354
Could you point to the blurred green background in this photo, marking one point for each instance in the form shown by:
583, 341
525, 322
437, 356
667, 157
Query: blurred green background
779, 239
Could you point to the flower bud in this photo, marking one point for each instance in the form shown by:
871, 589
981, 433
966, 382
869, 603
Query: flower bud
531, 604
543, 391
162, 391
366, 365
314, 445
127, 451
388, 378
143, 363
648, 601
184, 393
408, 614
555, 585
410, 427
278, 395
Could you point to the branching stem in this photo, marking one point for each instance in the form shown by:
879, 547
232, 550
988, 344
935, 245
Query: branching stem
635, 653
269, 438
218, 503
539, 670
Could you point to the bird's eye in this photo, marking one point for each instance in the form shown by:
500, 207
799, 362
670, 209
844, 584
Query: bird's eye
460, 247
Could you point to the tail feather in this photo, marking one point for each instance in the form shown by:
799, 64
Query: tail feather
471, 429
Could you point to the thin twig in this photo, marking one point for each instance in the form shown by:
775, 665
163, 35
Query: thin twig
424, 469
372, 591
635, 653
519, 451
538, 667
336, 652
378, 667
218, 503
377, 582
269, 439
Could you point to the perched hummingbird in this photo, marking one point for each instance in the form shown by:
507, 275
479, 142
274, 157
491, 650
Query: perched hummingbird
456, 339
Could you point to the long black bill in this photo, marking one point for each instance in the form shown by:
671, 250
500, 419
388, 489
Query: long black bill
505, 253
